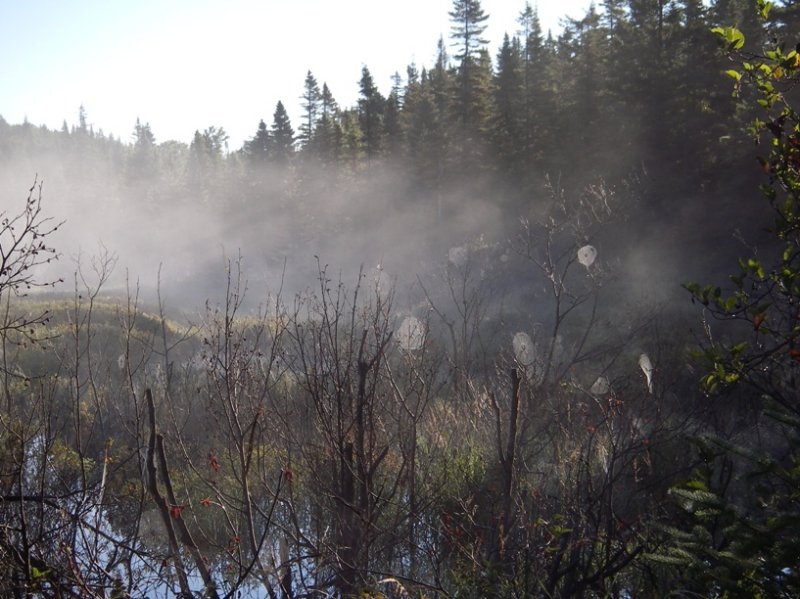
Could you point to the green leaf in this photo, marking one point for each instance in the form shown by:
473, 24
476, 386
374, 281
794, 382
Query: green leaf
736, 38
731, 377
739, 348
697, 485
709, 383
756, 267
731, 35
734, 74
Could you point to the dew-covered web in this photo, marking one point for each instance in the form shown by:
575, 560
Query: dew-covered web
647, 367
587, 255
524, 350
411, 333
457, 256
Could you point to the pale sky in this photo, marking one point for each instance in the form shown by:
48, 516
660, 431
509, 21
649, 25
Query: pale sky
183, 65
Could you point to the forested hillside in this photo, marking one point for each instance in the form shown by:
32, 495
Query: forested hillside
455, 340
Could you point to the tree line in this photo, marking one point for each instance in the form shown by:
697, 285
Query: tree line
640, 77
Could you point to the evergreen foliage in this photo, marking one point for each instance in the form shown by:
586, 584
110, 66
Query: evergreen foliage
742, 534
311, 104
281, 135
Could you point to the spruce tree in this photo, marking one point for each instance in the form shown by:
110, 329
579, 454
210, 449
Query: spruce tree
205, 160
325, 144
370, 115
537, 90
142, 161
311, 102
587, 99
471, 108
282, 136
509, 99
422, 130
391, 117
257, 148
83, 126
468, 25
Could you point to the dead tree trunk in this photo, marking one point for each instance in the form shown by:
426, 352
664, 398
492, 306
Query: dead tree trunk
170, 511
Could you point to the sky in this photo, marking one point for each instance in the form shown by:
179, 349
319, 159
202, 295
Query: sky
184, 65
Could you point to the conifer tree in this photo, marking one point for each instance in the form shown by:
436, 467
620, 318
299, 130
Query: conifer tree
440, 79
509, 101
424, 122
701, 100
311, 101
205, 162
83, 126
143, 135
370, 115
391, 117
588, 99
471, 107
538, 111
257, 148
281, 135
468, 25
326, 142
647, 46
350, 140
421, 128
143, 156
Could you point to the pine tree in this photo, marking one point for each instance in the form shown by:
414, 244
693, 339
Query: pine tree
471, 108
440, 80
282, 136
701, 101
257, 149
648, 48
350, 140
588, 98
311, 102
614, 13
539, 106
142, 162
425, 132
370, 116
83, 126
532, 43
205, 161
468, 25
326, 142
142, 135
391, 117
509, 98
421, 129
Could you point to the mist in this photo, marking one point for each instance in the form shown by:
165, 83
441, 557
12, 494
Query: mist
166, 230
394, 183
